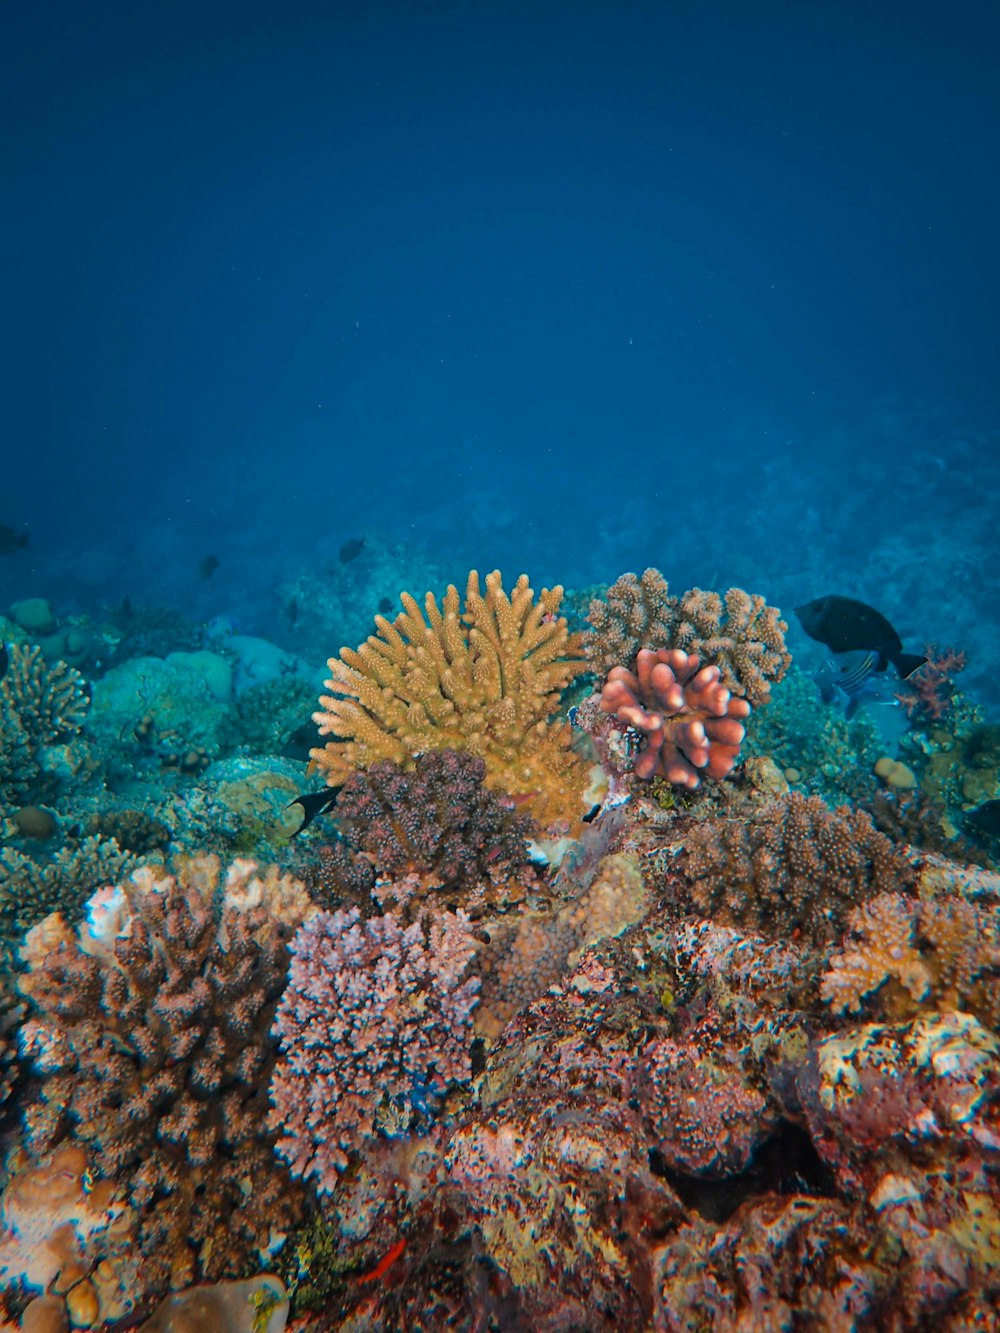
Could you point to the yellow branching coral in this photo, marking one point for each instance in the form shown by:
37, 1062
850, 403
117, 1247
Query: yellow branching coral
485, 679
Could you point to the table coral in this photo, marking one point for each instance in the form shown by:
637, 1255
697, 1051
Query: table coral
375, 1025
796, 865
149, 1031
691, 723
485, 679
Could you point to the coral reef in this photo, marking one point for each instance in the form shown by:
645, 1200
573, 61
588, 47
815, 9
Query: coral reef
738, 632
149, 1029
793, 866
690, 721
375, 1025
485, 679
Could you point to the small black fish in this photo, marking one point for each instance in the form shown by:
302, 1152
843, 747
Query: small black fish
351, 549
301, 742
11, 540
313, 803
293, 612
4, 660
126, 610
983, 819
384, 605
207, 566
845, 625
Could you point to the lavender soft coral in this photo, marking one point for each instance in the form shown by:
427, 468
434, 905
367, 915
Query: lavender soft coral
375, 1023
690, 720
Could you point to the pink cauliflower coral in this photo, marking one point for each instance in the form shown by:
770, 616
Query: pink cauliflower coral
376, 1022
690, 720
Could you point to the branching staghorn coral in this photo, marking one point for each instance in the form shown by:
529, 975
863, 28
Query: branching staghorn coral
485, 679
31, 889
635, 613
375, 1024
39, 704
738, 632
46, 701
796, 865
908, 954
150, 1030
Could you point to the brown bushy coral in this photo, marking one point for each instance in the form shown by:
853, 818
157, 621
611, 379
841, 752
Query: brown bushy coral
438, 820
150, 1029
485, 678
794, 866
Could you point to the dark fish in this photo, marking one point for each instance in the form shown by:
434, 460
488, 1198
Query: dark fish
313, 803
4, 660
302, 740
845, 625
983, 819
351, 549
11, 540
207, 566
126, 609
384, 605
293, 612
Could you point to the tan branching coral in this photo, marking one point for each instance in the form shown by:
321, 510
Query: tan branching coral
149, 1029
30, 890
485, 678
906, 954
635, 613
738, 632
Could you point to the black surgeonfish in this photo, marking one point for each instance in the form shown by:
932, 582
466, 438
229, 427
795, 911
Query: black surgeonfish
845, 625
313, 803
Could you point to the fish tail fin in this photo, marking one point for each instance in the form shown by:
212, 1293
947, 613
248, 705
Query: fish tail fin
852, 707
907, 663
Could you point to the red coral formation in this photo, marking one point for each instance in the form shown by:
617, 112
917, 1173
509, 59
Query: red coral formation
690, 720
928, 693
376, 1023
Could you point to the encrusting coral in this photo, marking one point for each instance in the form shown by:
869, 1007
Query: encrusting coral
690, 721
795, 865
485, 678
149, 1029
738, 632
376, 1024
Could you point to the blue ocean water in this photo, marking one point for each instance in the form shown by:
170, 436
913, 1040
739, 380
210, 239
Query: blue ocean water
568, 289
